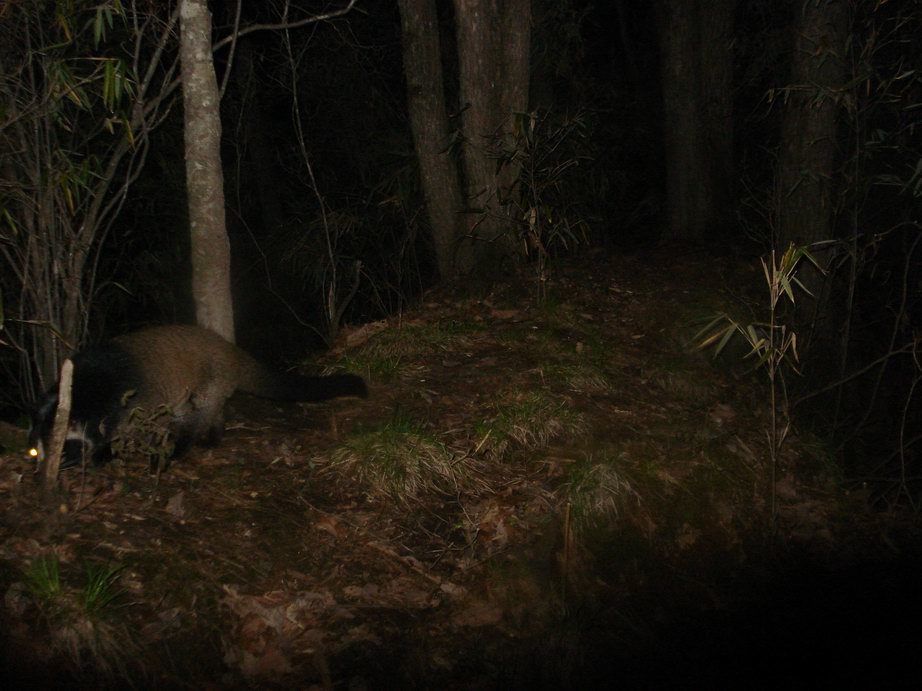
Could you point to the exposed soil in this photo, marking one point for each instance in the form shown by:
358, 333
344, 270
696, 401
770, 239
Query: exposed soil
261, 563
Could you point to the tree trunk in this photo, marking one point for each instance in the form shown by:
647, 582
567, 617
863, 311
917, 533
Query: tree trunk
807, 160
494, 41
696, 59
715, 19
422, 66
808, 137
204, 177
684, 193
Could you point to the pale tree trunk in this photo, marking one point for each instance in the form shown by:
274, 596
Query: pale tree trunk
696, 58
204, 176
422, 67
494, 42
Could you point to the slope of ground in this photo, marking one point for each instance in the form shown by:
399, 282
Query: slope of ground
538, 492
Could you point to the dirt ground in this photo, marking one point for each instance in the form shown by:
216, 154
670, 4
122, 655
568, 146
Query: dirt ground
589, 504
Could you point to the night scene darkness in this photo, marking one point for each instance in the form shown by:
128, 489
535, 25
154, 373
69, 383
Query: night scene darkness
460, 344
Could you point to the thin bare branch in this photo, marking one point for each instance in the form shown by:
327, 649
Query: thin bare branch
285, 24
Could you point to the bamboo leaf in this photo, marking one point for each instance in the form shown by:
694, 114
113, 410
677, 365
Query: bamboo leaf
128, 131
728, 334
758, 348
68, 197
63, 23
707, 328
800, 285
794, 346
98, 27
108, 85
813, 260
709, 340
10, 221
753, 336
768, 278
786, 286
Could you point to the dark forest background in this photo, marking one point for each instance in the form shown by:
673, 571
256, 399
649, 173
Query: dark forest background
728, 128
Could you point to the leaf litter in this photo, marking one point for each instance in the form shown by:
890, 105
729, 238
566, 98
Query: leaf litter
598, 477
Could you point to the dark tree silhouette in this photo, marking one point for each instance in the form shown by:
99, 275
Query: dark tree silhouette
422, 65
696, 60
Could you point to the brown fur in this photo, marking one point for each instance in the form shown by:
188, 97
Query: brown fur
186, 371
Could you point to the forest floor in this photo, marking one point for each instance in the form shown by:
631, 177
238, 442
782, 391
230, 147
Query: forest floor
558, 492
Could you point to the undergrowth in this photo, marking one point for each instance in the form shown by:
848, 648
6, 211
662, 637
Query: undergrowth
397, 353
82, 622
597, 492
526, 422
400, 460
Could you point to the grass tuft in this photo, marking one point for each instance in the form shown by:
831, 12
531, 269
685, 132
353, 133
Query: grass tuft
530, 421
597, 493
43, 579
102, 589
376, 367
400, 460
80, 622
581, 378
397, 352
